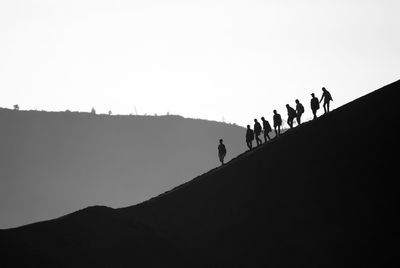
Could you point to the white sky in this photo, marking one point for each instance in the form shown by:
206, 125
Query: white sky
201, 59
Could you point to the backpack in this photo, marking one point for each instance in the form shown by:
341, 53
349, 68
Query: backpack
301, 108
257, 128
314, 103
328, 96
291, 112
249, 135
267, 126
277, 120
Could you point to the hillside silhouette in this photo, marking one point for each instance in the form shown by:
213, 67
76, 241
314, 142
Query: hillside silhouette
54, 163
324, 194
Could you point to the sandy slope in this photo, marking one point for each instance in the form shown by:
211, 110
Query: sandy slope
320, 196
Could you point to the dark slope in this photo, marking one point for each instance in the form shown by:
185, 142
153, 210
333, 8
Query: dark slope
323, 195
54, 163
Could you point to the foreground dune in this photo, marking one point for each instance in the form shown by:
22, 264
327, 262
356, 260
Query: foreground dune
325, 194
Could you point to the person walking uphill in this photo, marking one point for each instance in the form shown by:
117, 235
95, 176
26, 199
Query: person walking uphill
221, 151
291, 115
277, 123
266, 128
257, 132
299, 111
327, 97
249, 137
314, 105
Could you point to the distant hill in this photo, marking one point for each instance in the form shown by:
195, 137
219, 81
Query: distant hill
53, 163
325, 194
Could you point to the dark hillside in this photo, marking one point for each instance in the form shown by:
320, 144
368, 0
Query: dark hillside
322, 195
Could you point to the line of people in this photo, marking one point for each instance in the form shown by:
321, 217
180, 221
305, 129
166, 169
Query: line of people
293, 113
254, 134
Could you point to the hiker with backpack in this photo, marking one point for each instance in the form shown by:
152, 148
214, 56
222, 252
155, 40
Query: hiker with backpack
299, 111
291, 115
221, 151
314, 105
327, 97
257, 132
249, 137
266, 129
277, 123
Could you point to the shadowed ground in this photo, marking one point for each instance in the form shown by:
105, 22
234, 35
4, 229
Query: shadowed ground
323, 195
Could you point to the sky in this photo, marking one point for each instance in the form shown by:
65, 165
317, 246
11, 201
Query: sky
218, 60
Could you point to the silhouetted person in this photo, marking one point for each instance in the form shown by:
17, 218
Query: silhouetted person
314, 105
221, 151
266, 128
327, 97
277, 123
299, 111
257, 132
249, 137
291, 115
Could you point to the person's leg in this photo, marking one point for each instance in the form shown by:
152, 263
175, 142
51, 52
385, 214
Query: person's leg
314, 113
327, 105
250, 144
268, 136
324, 107
279, 130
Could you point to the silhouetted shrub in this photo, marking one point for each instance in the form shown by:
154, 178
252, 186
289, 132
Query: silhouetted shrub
16, 107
